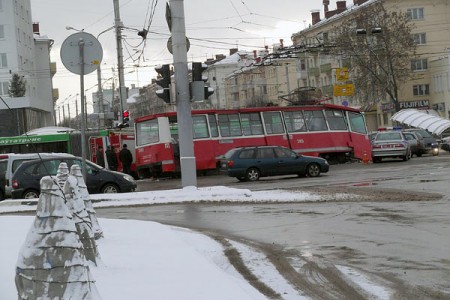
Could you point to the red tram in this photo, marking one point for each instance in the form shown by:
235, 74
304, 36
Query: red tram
330, 131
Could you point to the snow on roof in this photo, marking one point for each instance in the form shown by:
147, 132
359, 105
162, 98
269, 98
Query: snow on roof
132, 98
49, 130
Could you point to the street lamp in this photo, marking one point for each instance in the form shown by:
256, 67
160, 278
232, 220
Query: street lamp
71, 28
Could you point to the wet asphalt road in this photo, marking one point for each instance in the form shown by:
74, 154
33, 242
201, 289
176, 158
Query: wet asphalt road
403, 246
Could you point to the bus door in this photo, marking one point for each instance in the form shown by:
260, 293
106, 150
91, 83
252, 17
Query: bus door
362, 148
275, 130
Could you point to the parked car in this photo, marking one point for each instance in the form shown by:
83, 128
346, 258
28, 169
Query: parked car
416, 142
430, 143
3, 163
13, 161
390, 144
251, 163
445, 143
26, 179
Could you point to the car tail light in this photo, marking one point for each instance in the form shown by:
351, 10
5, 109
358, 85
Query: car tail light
398, 146
230, 164
3, 156
15, 184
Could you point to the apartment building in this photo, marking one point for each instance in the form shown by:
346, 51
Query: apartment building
25, 52
429, 87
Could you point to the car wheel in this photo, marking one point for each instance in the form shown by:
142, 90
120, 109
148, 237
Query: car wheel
2, 197
252, 174
313, 170
241, 178
30, 194
110, 188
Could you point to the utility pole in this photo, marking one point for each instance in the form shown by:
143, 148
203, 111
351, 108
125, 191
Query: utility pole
122, 89
179, 48
101, 122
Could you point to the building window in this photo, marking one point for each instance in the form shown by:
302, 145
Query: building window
419, 38
2, 30
419, 64
4, 86
421, 89
415, 13
3, 60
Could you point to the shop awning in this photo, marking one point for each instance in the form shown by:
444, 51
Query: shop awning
422, 119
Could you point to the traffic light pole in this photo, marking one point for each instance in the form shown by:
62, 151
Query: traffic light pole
179, 48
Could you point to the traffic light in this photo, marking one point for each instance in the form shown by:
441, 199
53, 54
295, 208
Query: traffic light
125, 120
199, 91
126, 116
197, 71
163, 81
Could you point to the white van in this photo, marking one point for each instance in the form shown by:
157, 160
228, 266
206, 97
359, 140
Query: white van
14, 160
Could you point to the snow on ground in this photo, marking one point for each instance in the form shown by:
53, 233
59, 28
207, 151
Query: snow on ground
148, 260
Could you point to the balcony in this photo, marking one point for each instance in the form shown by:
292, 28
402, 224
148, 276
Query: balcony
55, 94
52, 68
327, 90
325, 68
314, 71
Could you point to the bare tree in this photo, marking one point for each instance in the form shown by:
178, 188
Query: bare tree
377, 46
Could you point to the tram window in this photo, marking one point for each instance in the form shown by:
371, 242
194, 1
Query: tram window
213, 125
294, 121
200, 127
315, 120
229, 125
357, 123
336, 120
251, 124
147, 132
273, 122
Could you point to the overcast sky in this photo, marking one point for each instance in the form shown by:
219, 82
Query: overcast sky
213, 26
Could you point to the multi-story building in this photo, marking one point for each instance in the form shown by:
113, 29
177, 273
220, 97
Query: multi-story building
430, 83
25, 52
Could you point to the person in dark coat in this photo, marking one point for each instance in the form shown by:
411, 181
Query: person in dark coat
99, 156
111, 158
126, 159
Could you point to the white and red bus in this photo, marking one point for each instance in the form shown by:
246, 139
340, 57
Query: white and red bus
326, 130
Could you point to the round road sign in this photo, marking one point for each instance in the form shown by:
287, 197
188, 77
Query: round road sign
92, 52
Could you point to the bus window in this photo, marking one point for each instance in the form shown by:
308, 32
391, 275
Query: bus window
294, 121
251, 124
200, 127
213, 125
229, 125
336, 120
147, 132
273, 122
315, 120
357, 123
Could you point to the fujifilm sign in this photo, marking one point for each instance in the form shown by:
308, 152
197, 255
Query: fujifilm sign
415, 104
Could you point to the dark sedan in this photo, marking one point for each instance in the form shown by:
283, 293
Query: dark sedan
26, 179
251, 163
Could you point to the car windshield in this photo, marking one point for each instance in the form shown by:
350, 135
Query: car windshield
387, 136
424, 133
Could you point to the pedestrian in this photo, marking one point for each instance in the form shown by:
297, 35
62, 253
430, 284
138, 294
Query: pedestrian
126, 159
111, 158
99, 155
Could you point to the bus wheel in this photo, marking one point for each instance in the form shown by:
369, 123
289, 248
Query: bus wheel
110, 188
30, 194
252, 174
313, 170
